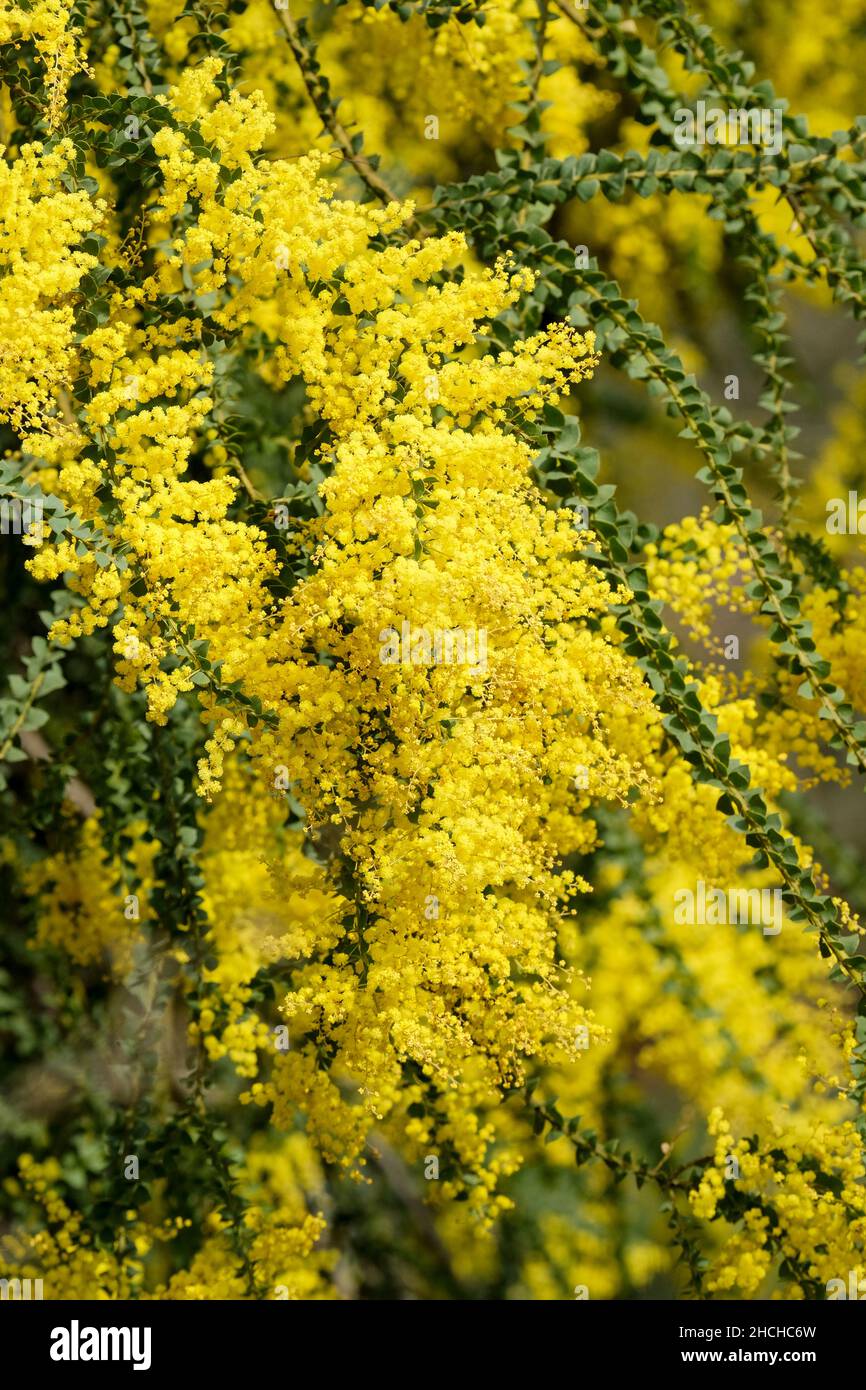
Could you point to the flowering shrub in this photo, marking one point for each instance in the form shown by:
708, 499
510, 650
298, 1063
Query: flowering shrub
424, 877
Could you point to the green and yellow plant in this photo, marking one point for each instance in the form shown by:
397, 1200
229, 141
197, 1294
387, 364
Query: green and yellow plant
334, 967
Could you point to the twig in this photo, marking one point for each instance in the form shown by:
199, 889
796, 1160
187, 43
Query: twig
317, 87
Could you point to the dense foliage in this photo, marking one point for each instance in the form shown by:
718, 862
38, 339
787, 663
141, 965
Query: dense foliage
429, 825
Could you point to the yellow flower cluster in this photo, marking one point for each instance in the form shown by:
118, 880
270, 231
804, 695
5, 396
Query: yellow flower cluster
447, 964
85, 906
41, 227
47, 24
286, 1256
820, 1220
